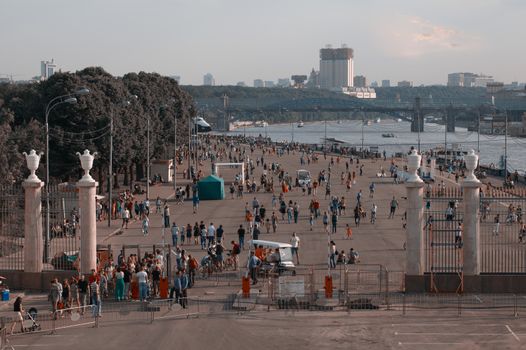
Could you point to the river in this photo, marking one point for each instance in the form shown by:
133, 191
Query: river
350, 131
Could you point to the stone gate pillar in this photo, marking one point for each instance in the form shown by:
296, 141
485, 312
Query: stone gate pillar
415, 218
471, 229
88, 220
33, 241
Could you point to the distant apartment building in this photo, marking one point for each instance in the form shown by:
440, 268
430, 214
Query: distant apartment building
208, 80
269, 84
405, 83
259, 83
283, 82
483, 80
360, 81
336, 68
386, 83
47, 69
241, 83
467, 79
374, 84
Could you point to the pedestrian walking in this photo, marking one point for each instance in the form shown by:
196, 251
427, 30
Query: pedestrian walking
295, 243
175, 234
393, 206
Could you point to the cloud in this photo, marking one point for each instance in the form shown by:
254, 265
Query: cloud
415, 36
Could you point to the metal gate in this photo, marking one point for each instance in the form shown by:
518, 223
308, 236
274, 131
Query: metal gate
62, 240
443, 234
501, 219
12, 227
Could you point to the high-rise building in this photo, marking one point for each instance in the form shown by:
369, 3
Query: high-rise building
241, 83
47, 69
208, 79
269, 84
336, 68
386, 83
259, 83
374, 84
360, 81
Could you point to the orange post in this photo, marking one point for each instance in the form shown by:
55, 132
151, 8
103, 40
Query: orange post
245, 286
328, 286
163, 288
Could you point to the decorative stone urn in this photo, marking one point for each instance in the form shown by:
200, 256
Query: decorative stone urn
471, 164
413, 163
86, 161
32, 160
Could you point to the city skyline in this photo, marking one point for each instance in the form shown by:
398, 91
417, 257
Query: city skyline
240, 41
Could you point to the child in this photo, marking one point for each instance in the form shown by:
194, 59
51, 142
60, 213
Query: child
311, 221
267, 225
145, 225
349, 231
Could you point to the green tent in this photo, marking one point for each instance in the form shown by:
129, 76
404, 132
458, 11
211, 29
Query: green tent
211, 187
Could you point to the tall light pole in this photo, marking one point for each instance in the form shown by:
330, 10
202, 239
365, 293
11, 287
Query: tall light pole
506, 147
110, 170
175, 153
478, 134
148, 159
62, 99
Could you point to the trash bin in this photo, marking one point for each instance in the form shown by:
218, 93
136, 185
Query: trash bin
328, 287
163, 288
5, 295
245, 286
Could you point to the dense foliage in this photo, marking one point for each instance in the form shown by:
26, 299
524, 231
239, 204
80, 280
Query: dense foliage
85, 124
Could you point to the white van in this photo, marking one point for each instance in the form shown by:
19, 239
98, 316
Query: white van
283, 263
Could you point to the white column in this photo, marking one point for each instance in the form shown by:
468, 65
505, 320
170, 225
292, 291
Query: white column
33, 241
415, 218
471, 224
415, 233
33, 244
88, 221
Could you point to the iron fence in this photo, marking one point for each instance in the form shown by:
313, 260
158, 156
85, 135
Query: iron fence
503, 249
62, 240
12, 227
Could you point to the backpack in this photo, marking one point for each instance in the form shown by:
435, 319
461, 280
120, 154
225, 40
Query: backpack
236, 249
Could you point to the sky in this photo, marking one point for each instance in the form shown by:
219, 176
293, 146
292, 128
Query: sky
242, 40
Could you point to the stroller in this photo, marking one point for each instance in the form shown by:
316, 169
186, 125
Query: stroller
30, 323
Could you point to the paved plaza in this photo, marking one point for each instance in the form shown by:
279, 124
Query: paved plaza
381, 243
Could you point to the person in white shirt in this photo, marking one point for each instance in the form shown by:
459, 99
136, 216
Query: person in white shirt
142, 279
295, 243
125, 218
211, 234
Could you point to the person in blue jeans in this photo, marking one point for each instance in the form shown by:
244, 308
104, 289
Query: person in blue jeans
175, 234
142, 279
241, 235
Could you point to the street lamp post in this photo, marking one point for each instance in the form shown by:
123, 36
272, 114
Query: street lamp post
148, 159
175, 153
62, 99
110, 170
